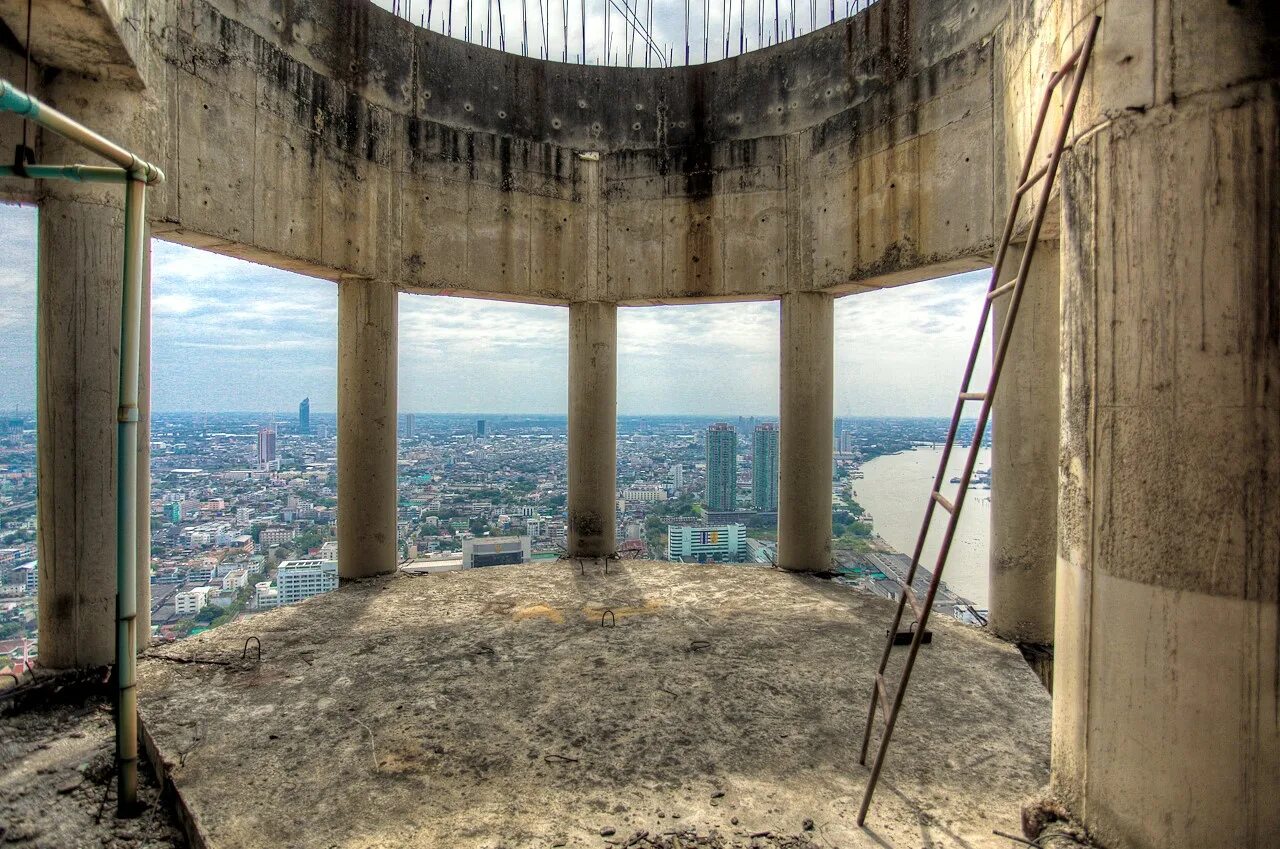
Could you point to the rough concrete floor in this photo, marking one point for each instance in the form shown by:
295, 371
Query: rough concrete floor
57, 783
490, 708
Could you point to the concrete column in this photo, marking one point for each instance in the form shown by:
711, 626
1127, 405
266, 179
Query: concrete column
367, 336
1165, 709
593, 419
81, 255
805, 451
1024, 458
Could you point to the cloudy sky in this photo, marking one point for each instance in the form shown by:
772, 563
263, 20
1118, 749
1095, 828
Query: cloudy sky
230, 335
711, 24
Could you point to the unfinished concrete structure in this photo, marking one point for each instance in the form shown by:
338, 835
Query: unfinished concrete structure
331, 138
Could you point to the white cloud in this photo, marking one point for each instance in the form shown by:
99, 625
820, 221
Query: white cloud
230, 335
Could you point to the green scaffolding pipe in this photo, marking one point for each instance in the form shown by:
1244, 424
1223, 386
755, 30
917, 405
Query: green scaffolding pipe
23, 104
135, 232
77, 173
136, 174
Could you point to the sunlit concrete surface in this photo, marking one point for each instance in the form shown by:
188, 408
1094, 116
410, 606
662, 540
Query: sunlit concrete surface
491, 708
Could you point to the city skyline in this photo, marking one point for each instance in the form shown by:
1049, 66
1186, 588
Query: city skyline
229, 335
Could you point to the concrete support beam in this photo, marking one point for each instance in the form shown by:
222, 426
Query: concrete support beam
81, 254
367, 339
1165, 696
804, 444
593, 422
1024, 458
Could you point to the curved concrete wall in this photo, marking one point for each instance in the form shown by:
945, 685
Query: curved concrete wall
334, 138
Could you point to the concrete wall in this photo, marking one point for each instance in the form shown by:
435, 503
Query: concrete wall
1165, 698
331, 138
337, 140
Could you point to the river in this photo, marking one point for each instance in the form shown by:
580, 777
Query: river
894, 490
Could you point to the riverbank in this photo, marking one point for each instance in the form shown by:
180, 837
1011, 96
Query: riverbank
894, 489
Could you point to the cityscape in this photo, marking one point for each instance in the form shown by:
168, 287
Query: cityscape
244, 507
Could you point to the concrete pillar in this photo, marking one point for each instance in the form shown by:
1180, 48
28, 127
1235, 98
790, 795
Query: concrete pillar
81, 255
80, 265
1024, 458
1165, 709
366, 428
805, 451
593, 418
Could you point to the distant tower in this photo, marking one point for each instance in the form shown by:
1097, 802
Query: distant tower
408, 426
722, 467
677, 476
479, 428
304, 416
764, 467
266, 447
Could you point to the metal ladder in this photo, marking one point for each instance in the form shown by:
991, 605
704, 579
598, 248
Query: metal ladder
887, 698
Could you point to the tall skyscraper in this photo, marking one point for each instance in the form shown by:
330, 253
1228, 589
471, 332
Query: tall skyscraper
266, 446
304, 416
722, 467
409, 423
764, 467
677, 476
479, 427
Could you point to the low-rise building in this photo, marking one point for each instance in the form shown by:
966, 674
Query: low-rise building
703, 544
235, 580
298, 580
192, 601
645, 494
269, 538
265, 595
495, 551
30, 573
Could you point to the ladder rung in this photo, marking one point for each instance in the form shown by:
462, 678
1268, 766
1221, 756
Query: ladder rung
1033, 179
1002, 289
916, 606
973, 396
882, 695
946, 505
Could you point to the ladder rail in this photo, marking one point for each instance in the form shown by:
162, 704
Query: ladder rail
1077, 62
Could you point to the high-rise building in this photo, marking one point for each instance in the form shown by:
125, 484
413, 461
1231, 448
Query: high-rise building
677, 476
722, 467
266, 446
764, 467
479, 427
304, 416
409, 423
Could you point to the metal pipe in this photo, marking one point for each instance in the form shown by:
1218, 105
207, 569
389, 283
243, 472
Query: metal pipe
77, 173
135, 229
137, 174
20, 103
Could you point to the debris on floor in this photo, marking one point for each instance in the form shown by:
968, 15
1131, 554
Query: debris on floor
57, 786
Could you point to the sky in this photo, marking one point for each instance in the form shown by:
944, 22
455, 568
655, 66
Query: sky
229, 335
664, 19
